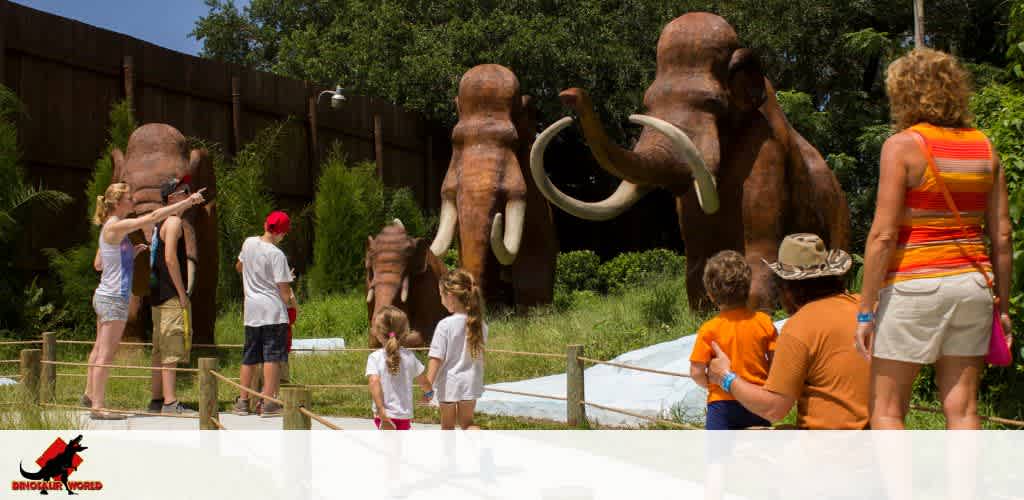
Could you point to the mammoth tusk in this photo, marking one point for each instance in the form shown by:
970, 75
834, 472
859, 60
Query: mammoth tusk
703, 181
624, 196
398, 222
405, 289
369, 294
446, 228
505, 241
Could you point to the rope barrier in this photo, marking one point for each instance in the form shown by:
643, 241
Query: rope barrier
338, 386
9, 361
637, 368
246, 389
225, 346
998, 420
530, 394
125, 412
131, 367
11, 376
217, 423
20, 342
91, 342
147, 377
523, 353
318, 418
638, 415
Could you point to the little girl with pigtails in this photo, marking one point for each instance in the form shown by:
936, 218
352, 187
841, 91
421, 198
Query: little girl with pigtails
392, 370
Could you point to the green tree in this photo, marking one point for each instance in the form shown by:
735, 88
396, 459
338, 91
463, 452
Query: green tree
17, 199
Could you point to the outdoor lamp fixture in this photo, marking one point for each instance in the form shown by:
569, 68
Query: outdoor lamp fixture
336, 97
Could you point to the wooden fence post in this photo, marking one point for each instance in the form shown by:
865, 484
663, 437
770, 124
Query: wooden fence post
236, 113
378, 145
3, 39
575, 412
30, 373
129, 81
294, 397
48, 390
207, 394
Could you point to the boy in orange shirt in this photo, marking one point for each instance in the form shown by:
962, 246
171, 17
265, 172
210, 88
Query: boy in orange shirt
747, 337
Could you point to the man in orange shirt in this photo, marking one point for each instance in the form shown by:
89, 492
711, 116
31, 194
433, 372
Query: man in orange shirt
815, 365
748, 337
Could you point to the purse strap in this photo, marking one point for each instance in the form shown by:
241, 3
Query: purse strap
952, 206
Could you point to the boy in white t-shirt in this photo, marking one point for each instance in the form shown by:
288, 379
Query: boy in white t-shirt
392, 371
266, 282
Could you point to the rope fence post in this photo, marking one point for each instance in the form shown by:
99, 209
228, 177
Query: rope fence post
30, 372
207, 394
575, 411
48, 391
296, 397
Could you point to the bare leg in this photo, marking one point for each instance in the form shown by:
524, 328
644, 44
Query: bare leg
169, 377
156, 389
891, 385
108, 340
448, 416
465, 414
958, 378
271, 378
245, 378
93, 357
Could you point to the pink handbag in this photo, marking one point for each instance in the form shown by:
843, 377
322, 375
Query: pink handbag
998, 351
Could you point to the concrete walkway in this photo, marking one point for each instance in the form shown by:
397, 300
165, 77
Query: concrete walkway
228, 420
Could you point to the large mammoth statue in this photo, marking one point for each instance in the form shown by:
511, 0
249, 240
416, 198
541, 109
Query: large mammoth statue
401, 272
715, 136
511, 254
157, 152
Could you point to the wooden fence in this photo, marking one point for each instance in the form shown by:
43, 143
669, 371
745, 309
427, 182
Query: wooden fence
68, 74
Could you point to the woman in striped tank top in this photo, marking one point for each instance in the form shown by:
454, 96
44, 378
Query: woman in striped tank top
921, 268
115, 259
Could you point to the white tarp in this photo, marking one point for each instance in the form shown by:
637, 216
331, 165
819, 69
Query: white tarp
302, 347
639, 392
7, 381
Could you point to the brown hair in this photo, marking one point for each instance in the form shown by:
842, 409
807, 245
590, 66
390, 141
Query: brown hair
928, 86
803, 292
727, 279
461, 284
392, 325
106, 203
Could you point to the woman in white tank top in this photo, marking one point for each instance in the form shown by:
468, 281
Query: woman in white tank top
115, 259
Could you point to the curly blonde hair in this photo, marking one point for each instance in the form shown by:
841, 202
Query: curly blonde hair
928, 86
727, 279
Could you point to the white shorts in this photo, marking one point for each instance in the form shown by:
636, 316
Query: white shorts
922, 319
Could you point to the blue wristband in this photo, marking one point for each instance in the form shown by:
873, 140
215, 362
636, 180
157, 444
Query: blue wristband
865, 317
429, 394
727, 381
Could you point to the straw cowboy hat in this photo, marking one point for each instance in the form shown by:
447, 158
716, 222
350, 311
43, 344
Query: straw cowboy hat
804, 256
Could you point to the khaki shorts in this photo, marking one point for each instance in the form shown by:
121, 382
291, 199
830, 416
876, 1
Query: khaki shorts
922, 319
172, 337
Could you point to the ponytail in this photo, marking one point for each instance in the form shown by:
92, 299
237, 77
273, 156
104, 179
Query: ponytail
391, 325
463, 286
105, 203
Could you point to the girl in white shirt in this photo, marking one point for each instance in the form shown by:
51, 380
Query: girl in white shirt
392, 370
456, 367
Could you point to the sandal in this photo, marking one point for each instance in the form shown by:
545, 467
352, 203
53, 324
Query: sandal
102, 415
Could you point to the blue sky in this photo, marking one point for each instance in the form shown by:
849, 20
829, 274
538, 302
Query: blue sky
166, 23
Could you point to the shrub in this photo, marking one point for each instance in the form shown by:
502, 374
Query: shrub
73, 267
349, 206
660, 306
402, 206
577, 270
451, 257
633, 268
243, 202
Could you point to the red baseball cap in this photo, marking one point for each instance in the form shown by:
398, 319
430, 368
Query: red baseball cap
277, 223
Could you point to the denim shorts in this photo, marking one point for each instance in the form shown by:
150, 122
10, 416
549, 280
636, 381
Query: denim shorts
265, 344
109, 308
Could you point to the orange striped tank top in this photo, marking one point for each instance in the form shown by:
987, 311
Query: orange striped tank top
930, 243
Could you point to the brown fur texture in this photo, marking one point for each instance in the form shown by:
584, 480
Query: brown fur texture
489, 166
770, 180
391, 257
156, 153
